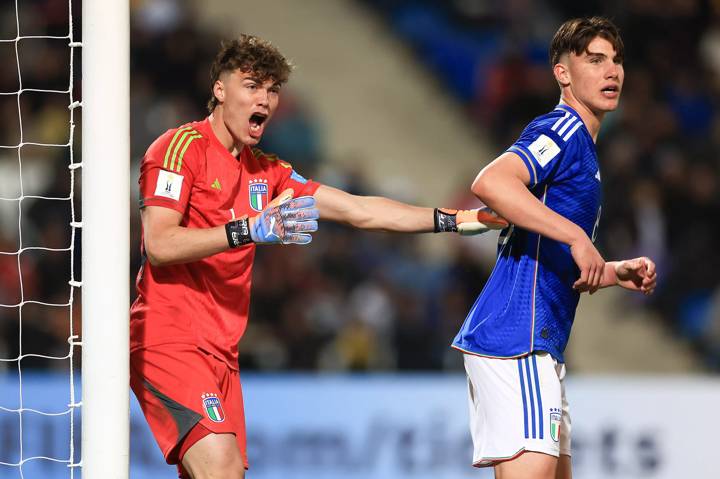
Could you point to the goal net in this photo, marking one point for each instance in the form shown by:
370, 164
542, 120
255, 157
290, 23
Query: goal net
40, 239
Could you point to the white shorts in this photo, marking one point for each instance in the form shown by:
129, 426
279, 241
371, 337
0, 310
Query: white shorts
517, 405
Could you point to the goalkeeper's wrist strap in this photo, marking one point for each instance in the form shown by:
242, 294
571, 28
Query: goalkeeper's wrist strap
238, 232
445, 221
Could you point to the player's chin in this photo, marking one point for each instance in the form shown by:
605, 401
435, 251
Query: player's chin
609, 104
250, 140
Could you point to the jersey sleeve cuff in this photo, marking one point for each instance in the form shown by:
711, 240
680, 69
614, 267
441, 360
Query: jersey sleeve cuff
525, 156
164, 202
309, 189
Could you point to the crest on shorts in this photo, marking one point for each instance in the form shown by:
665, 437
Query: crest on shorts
555, 418
258, 193
213, 408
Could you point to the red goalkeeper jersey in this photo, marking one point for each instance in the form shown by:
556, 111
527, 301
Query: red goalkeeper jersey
205, 302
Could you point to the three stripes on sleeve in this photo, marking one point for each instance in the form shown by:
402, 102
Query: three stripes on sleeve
178, 146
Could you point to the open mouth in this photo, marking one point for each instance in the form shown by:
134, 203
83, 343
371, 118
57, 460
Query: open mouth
610, 89
256, 122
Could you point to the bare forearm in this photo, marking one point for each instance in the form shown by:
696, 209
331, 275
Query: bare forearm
177, 244
502, 185
383, 214
373, 212
511, 199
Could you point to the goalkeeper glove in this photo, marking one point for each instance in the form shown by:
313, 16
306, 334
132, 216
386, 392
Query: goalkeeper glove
468, 222
285, 220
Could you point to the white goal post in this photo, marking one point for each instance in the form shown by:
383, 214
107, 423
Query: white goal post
105, 238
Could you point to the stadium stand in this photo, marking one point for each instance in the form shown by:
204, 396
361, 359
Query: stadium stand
379, 302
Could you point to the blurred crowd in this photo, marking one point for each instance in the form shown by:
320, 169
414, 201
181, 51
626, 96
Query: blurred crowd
369, 301
350, 301
658, 152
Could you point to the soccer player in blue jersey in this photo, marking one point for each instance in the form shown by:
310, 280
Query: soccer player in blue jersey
548, 186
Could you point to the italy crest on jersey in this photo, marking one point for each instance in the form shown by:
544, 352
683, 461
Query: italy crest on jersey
555, 426
213, 408
258, 192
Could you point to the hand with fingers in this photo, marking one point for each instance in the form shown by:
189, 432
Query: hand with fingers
285, 220
590, 263
637, 274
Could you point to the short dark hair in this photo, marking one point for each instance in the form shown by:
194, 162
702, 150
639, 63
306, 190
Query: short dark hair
575, 35
249, 53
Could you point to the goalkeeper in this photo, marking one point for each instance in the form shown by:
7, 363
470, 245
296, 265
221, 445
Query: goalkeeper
207, 198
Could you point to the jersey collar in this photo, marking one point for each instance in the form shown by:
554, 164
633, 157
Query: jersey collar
205, 127
571, 110
567, 108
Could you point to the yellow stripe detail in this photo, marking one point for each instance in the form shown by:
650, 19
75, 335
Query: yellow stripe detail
182, 152
258, 153
172, 143
178, 144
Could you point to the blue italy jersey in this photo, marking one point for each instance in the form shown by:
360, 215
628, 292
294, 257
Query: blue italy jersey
528, 304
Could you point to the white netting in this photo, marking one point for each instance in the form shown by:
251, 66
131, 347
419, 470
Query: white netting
18, 413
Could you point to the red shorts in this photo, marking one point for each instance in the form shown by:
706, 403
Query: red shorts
185, 395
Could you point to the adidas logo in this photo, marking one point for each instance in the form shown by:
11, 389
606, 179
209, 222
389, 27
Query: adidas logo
216, 185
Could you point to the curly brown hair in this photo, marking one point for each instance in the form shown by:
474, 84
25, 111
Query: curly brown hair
249, 53
575, 35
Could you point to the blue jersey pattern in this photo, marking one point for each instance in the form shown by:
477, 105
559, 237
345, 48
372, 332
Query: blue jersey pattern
528, 304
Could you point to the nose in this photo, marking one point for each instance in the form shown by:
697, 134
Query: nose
613, 72
263, 97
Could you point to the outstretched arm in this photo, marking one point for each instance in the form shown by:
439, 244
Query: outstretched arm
502, 185
372, 212
636, 274
383, 214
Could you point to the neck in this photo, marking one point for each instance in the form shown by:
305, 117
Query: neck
222, 133
591, 119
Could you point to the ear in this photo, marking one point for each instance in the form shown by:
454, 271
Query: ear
562, 74
219, 90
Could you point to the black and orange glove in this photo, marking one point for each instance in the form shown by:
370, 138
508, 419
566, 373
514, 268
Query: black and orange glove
468, 222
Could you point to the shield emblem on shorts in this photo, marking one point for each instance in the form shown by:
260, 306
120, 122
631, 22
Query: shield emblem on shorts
258, 192
213, 408
555, 426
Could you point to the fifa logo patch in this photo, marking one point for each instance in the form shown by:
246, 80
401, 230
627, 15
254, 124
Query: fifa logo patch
258, 193
555, 418
169, 185
213, 408
544, 149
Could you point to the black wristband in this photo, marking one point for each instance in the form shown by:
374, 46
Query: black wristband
445, 222
238, 232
